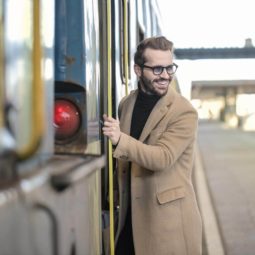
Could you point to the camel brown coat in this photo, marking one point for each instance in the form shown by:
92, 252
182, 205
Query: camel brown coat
165, 216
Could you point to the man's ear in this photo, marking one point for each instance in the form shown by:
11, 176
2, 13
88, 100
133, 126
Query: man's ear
138, 70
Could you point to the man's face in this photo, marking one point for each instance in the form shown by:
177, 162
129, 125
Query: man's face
155, 84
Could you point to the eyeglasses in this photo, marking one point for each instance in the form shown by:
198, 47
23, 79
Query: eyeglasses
157, 70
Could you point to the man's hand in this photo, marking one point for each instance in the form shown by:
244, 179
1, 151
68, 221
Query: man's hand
111, 129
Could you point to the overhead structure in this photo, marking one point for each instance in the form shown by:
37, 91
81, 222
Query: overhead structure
214, 53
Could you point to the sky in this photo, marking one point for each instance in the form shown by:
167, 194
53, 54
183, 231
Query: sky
208, 24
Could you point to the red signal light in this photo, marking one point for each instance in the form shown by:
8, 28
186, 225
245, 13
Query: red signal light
67, 119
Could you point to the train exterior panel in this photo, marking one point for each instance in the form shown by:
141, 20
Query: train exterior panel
62, 65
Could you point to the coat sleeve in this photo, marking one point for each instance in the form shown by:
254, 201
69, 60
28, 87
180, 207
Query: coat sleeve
170, 145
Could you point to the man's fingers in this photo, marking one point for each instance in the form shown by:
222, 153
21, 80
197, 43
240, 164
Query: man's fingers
109, 121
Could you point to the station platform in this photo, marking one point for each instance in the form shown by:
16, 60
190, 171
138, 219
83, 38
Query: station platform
224, 179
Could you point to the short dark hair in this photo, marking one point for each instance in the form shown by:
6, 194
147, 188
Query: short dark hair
156, 43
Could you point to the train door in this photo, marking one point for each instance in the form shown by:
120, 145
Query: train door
118, 43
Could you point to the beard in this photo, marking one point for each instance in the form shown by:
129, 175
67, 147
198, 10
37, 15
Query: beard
150, 86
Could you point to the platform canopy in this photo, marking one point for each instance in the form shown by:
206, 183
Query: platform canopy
214, 88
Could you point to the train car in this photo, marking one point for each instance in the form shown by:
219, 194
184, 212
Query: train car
62, 65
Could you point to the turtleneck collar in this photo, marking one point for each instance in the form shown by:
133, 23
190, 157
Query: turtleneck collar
146, 96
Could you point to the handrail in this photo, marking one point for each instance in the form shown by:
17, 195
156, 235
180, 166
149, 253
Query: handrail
126, 46
109, 112
38, 95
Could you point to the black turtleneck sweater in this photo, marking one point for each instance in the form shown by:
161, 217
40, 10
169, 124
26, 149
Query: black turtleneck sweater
142, 109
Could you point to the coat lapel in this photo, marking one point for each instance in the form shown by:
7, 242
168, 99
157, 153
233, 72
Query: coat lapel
158, 112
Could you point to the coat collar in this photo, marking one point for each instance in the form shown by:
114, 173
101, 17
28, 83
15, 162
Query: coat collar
158, 112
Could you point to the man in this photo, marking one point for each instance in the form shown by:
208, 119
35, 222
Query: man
154, 142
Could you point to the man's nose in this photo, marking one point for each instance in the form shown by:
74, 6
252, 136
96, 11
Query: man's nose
165, 74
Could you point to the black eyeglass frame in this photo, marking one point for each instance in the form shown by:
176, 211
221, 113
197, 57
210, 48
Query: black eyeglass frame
162, 68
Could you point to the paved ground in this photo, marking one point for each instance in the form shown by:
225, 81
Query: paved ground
227, 158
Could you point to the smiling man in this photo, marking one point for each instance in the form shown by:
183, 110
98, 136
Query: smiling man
154, 147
